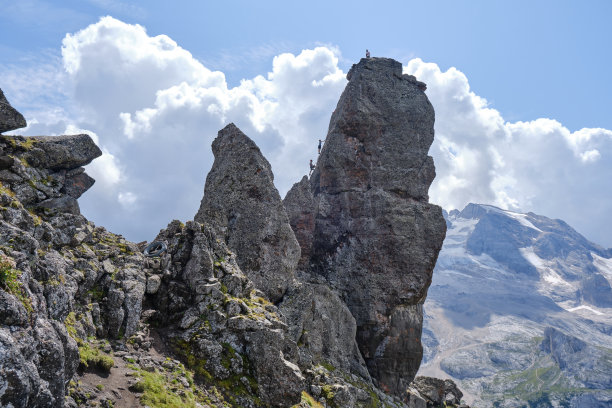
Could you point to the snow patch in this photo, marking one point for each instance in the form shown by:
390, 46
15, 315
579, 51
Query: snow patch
547, 274
530, 256
603, 265
461, 228
450, 272
521, 218
585, 307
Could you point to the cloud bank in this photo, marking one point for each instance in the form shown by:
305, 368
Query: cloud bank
155, 110
538, 166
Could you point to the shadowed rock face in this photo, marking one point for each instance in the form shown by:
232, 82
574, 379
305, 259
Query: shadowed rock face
375, 238
300, 207
324, 329
10, 119
243, 205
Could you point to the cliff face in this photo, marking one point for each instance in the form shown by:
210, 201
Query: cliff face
10, 119
371, 232
314, 300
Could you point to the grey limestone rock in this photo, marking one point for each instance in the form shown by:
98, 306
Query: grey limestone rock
244, 207
61, 152
77, 182
280, 381
323, 327
223, 320
68, 281
66, 204
375, 237
10, 119
45, 172
300, 206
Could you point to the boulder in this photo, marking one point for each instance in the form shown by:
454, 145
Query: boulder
433, 392
60, 152
44, 172
65, 204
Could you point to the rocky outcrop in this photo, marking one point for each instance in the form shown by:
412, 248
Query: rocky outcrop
375, 237
219, 323
10, 119
323, 328
427, 392
244, 207
62, 279
45, 171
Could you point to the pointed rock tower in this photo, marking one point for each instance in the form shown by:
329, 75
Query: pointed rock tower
375, 238
242, 204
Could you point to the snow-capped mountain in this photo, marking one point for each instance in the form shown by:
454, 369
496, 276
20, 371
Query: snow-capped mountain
519, 312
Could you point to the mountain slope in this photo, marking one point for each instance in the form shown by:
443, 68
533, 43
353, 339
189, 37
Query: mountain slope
519, 312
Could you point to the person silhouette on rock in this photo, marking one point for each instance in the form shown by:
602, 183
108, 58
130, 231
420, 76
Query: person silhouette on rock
312, 167
367, 53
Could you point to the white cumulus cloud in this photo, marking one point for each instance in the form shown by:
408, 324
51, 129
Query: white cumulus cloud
538, 166
155, 110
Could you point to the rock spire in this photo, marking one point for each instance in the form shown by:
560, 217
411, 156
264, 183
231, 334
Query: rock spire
375, 237
243, 205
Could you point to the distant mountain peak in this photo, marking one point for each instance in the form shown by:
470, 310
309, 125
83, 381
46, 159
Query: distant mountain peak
516, 297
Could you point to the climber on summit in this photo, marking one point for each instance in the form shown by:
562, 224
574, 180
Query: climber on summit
367, 53
320, 144
312, 167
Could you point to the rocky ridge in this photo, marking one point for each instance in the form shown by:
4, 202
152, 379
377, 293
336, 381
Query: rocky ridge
234, 310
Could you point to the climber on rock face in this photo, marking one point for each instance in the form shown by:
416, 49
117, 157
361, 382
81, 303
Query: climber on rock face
312, 167
367, 53
320, 144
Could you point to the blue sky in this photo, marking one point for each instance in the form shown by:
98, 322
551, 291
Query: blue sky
529, 60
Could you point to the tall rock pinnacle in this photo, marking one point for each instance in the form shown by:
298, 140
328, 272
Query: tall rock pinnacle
375, 236
241, 202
